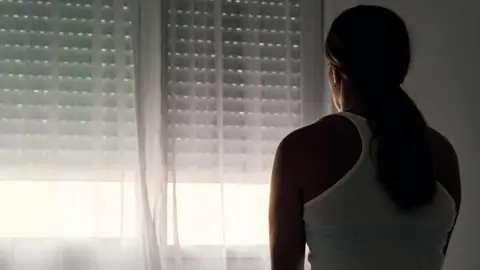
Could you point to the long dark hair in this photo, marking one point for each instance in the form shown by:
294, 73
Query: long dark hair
370, 46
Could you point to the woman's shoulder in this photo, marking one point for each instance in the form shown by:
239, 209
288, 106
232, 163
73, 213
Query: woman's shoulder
322, 153
321, 138
332, 126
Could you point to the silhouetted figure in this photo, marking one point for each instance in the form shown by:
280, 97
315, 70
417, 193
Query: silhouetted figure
373, 186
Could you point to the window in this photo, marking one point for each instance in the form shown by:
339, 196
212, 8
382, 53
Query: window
68, 131
67, 121
234, 91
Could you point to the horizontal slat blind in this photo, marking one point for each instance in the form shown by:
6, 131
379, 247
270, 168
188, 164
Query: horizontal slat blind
66, 83
261, 89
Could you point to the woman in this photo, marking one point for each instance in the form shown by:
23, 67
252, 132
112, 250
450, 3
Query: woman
373, 186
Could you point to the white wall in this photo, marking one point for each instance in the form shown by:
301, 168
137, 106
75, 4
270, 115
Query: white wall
444, 80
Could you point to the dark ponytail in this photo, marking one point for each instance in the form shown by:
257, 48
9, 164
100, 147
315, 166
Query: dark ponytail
404, 161
370, 46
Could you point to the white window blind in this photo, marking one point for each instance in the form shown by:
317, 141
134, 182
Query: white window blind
234, 86
67, 120
66, 81
234, 92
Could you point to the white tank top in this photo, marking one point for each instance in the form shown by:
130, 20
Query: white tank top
354, 225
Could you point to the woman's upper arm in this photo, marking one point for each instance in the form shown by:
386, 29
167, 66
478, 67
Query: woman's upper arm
287, 237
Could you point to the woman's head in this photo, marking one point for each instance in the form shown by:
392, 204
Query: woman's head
368, 50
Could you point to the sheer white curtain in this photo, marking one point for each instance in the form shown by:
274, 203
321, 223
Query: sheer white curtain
70, 195
220, 83
140, 134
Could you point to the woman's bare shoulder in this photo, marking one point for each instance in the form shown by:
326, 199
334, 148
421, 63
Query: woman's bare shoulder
323, 131
322, 153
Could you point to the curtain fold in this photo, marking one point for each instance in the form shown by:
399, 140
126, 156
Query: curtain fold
148, 46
